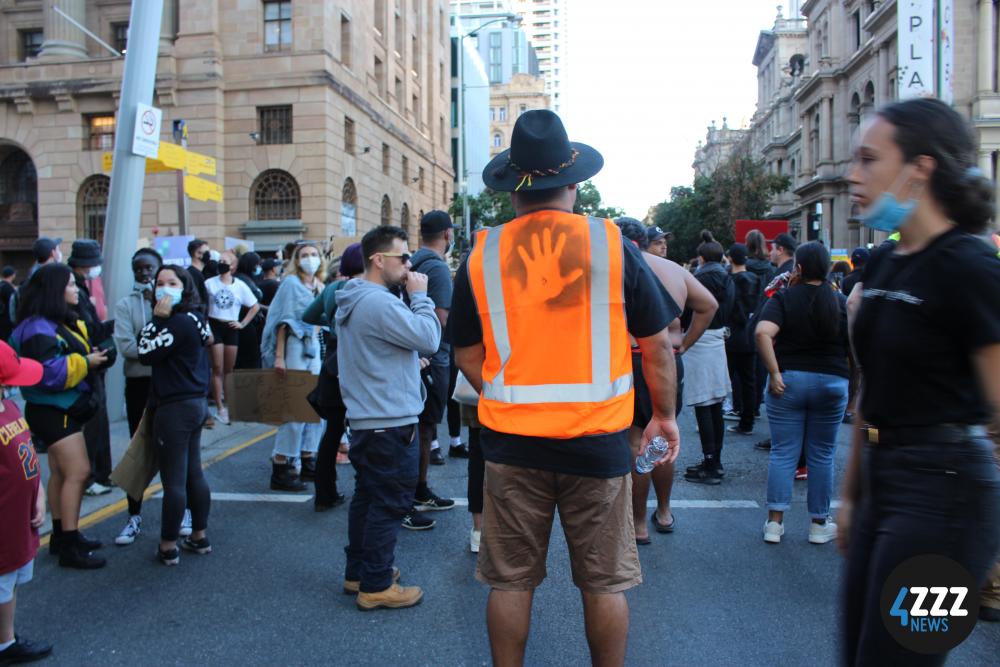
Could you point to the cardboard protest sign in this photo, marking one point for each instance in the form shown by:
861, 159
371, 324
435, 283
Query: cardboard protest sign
263, 397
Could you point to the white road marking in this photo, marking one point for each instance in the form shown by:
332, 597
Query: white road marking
257, 497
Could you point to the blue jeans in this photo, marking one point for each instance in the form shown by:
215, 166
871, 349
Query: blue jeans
386, 463
808, 414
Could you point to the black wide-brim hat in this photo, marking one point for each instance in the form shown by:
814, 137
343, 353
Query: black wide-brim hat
541, 157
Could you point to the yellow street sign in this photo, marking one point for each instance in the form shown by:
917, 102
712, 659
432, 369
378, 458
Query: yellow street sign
175, 157
153, 166
200, 189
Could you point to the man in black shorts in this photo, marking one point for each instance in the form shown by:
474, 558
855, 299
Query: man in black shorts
436, 231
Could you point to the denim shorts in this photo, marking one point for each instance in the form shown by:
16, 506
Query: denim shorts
18, 577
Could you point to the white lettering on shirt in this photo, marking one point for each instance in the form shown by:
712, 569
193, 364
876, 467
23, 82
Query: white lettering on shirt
889, 295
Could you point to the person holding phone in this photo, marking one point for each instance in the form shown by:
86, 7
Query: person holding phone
50, 331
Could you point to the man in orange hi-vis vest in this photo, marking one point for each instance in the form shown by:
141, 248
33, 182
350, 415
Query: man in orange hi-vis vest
540, 322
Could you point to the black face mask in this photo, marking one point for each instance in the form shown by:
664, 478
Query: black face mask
223, 268
206, 256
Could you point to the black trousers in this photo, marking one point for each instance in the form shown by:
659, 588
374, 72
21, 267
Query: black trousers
454, 409
477, 471
929, 498
177, 433
136, 398
741, 372
326, 457
97, 433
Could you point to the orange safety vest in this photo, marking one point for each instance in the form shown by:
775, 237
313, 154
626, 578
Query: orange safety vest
549, 289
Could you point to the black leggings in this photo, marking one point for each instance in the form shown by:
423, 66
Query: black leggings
932, 498
454, 409
177, 428
477, 471
711, 430
326, 458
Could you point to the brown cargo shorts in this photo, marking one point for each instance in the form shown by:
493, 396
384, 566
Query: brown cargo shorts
596, 516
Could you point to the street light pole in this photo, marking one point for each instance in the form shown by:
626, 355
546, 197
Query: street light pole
463, 176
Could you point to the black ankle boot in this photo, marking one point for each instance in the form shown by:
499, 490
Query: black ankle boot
283, 478
76, 556
308, 468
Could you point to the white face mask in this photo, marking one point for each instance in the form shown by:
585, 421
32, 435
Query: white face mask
310, 265
94, 272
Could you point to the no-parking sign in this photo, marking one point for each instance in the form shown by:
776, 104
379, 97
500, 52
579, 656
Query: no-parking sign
146, 139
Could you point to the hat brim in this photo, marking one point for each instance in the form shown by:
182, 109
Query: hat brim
498, 175
29, 372
74, 262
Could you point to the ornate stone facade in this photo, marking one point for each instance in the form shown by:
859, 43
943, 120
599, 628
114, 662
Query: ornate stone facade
510, 100
718, 146
317, 113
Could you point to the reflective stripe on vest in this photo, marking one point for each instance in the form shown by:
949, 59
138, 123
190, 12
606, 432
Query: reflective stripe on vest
602, 387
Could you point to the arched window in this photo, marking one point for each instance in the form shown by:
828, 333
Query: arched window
275, 196
92, 207
404, 218
497, 140
18, 195
349, 209
869, 103
386, 217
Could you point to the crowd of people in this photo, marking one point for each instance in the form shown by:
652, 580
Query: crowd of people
894, 342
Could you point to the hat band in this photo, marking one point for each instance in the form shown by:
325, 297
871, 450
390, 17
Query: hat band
526, 174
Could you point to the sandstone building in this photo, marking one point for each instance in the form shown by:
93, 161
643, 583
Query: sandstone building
324, 118
510, 100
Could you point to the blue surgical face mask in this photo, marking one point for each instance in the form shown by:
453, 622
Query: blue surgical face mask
888, 214
257, 271
174, 293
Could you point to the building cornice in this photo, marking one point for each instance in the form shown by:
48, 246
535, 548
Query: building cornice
876, 19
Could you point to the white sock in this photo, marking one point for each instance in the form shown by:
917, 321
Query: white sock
435, 445
455, 442
6, 645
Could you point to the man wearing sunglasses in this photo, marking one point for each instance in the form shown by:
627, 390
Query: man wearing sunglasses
380, 341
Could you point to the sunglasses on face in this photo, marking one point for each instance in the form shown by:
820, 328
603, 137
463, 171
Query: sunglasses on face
404, 257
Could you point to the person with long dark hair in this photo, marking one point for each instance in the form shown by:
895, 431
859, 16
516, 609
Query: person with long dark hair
706, 372
174, 343
802, 339
248, 347
50, 331
922, 476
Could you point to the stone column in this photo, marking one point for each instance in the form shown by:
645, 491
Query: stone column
168, 25
62, 38
806, 166
984, 79
826, 130
882, 92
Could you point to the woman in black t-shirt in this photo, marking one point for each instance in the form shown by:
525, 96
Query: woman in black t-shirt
802, 340
922, 477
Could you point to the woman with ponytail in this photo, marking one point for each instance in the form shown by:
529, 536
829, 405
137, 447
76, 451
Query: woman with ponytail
802, 341
706, 371
922, 476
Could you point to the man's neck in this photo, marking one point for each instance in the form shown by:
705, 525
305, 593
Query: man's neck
541, 207
198, 264
784, 260
739, 268
438, 247
374, 277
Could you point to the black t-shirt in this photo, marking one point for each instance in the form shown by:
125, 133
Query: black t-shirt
175, 348
199, 283
850, 280
922, 318
648, 310
6, 326
269, 287
798, 345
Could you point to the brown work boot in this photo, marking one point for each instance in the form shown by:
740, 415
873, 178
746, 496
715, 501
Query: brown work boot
353, 586
394, 597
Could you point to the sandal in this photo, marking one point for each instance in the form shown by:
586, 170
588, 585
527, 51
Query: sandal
661, 528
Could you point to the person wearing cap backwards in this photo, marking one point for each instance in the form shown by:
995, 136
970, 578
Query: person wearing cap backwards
540, 320
22, 506
85, 260
685, 289
436, 235
656, 241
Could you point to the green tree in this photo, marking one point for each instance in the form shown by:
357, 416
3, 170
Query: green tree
588, 202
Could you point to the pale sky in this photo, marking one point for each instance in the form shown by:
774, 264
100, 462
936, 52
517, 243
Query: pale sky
645, 78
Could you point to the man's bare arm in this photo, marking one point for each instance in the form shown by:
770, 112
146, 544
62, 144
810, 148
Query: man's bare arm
703, 305
470, 361
660, 372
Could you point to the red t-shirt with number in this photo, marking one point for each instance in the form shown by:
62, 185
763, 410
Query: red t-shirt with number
20, 477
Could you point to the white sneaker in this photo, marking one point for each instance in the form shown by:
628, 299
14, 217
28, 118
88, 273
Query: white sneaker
773, 532
474, 541
222, 416
131, 530
185, 524
822, 533
97, 489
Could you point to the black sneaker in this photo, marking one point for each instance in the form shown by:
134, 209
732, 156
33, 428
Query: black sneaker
763, 445
437, 458
414, 521
200, 547
458, 451
705, 475
170, 557
78, 558
739, 430
324, 504
24, 650
731, 415
431, 503
719, 470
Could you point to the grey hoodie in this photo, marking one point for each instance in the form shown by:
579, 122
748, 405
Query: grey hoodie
131, 315
379, 345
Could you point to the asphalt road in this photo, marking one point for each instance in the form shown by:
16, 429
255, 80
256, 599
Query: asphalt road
714, 593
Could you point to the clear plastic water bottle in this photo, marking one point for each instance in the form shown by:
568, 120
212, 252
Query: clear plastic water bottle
655, 450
